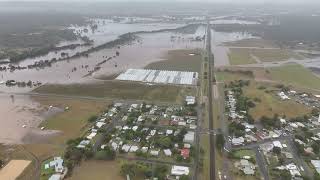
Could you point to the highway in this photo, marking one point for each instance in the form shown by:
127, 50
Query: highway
210, 102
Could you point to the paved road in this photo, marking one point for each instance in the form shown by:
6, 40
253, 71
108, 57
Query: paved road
261, 163
298, 160
210, 113
197, 140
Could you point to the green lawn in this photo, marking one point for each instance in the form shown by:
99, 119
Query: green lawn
295, 75
245, 152
46, 173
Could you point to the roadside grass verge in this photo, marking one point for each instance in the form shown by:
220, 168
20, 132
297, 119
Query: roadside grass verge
179, 60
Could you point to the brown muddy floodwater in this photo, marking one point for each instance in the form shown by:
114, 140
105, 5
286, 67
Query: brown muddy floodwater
20, 118
149, 48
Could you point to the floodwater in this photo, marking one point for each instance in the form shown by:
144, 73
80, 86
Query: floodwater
20, 116
232, 21
106, 31
220, 51
149, 48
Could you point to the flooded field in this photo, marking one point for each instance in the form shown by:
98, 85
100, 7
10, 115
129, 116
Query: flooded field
99, 31
219, 50
149, 47
20, 117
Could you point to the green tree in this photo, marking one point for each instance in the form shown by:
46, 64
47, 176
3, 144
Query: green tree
105, 154
315, 147
276, 150
220, 141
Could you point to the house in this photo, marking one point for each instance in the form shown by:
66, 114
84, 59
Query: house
190, 100
83, 144
117, 104
57, 164
179, 170
100, 124
167, 152
316, 164
182, 123
134, 149
114, 146
283, 121
246, 166
292, 168
185, 153
189, 137
294, 125
154, 153
55, 177
169, 132
140, 118
277, 144
237, 141
134, 128
92, 135
144, 149
283, 96
192, 126
124, 118
125, 148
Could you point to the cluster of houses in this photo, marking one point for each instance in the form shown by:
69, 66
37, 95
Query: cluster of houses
302, 98
239, 116
98, 124
57, 165
273, 159
244, 165
141, 127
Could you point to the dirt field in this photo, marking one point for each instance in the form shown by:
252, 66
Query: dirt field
179, 60
106, 170
13, 169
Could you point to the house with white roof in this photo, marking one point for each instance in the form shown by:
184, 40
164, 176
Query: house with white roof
189, 137
179, 170
167, 152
